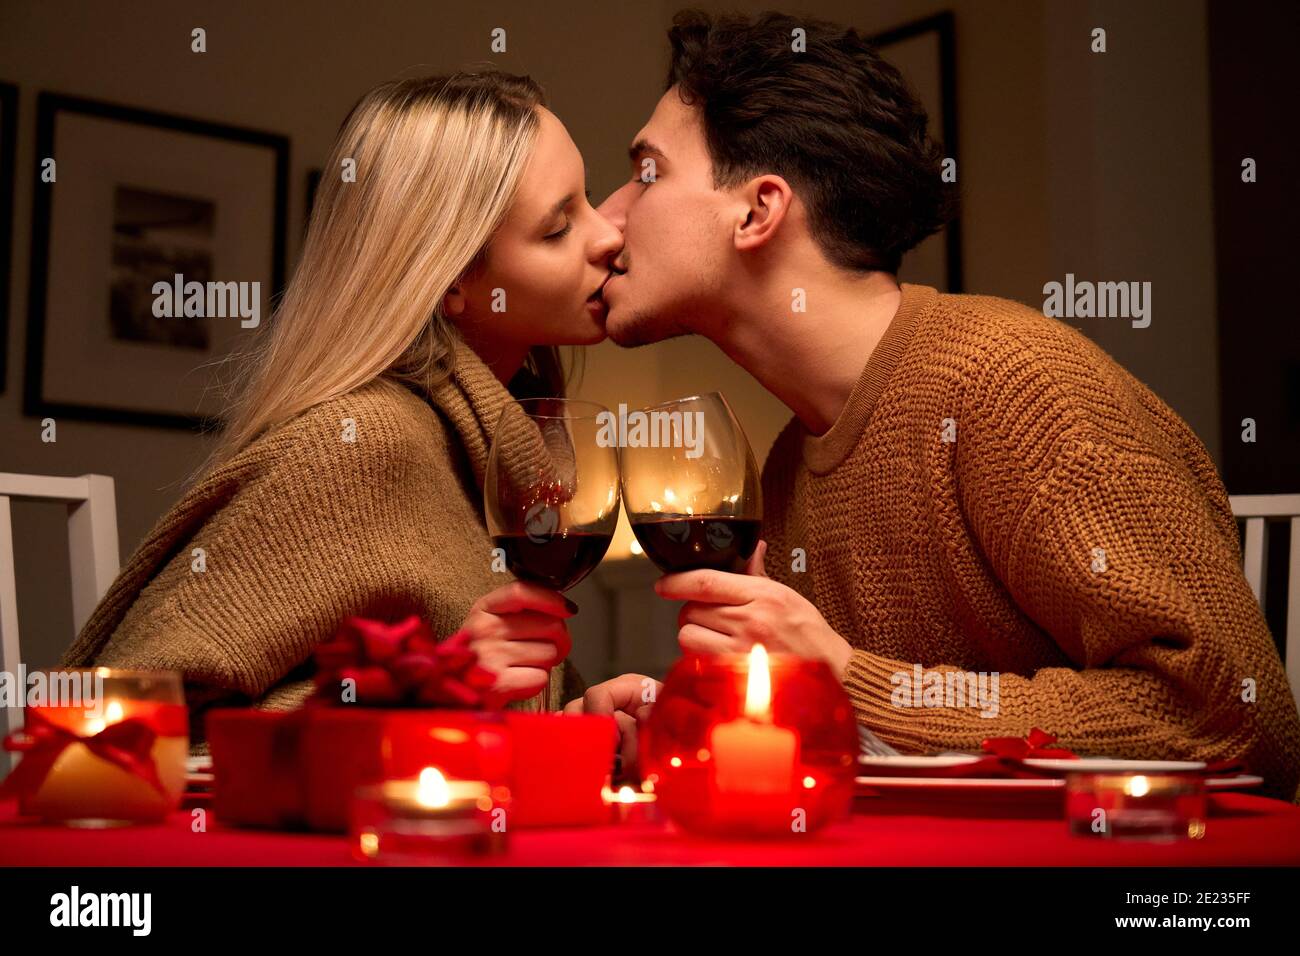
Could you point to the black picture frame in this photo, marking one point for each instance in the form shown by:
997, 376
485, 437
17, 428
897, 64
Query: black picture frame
943, 24
8, 165
313, 184
48, 106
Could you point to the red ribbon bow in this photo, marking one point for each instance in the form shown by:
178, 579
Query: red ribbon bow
127, 744
1033, 746
401, 664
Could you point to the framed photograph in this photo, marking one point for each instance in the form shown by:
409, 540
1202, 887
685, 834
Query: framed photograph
8, 142
313, 183
924, 51
158, 246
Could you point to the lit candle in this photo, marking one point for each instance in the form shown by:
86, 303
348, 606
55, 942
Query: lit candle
1154, 806
428, 820
630, 806
754, 762
82, 788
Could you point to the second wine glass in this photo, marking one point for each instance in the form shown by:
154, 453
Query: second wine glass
691, 486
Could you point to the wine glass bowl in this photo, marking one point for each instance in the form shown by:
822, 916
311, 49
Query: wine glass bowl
691, 486
551, 491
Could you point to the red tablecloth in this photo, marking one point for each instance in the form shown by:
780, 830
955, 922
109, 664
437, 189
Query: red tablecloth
1243, 830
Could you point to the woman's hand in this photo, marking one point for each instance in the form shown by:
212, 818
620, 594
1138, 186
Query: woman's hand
518, 632
630, 698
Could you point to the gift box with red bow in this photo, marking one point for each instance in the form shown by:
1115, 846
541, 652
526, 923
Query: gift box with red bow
392, 700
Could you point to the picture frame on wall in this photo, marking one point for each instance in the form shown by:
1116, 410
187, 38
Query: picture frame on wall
8, 152
925, 52
158, 248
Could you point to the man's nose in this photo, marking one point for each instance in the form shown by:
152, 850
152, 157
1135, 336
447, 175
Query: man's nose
615, 207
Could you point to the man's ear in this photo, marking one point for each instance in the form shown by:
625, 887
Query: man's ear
769, 199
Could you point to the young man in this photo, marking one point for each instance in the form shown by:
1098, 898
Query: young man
976, 517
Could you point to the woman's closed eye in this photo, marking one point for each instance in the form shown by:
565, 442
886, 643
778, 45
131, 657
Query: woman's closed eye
560, 234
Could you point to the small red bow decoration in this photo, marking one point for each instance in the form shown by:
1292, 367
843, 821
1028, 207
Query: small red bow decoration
127, 744
1034, 746
401, 664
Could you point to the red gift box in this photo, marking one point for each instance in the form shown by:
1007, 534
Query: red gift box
302, 768
559, 765
258, 753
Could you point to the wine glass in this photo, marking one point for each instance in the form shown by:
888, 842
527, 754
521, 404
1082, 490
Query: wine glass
690, 485
551, 491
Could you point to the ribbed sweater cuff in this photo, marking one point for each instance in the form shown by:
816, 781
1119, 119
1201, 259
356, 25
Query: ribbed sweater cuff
868, 681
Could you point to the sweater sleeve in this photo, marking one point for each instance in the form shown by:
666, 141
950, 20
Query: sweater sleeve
333, 528
1122, 559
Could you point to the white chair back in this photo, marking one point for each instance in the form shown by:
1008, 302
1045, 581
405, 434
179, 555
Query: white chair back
92, 549
1255, 511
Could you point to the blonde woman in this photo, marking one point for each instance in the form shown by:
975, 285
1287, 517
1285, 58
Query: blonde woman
348, 479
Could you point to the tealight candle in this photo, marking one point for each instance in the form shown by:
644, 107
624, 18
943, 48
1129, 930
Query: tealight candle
627, 805
83, 788
1158, 806
430, 820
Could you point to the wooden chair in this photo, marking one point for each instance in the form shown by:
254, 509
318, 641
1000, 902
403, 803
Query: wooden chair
92, 550
1255, 511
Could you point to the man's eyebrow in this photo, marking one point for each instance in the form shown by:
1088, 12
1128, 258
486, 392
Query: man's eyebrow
556, 210
644, 147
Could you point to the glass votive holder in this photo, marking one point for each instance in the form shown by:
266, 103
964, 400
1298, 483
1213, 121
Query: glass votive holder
428, 821
751, 745
1155, 806
628, 805
111, 746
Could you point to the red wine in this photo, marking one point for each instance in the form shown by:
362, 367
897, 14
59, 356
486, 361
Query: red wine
687, 542
555, 559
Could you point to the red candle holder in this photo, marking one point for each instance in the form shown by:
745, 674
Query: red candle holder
751, 745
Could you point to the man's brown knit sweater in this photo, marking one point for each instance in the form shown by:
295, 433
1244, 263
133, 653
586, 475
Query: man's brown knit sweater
303, 528
998, 495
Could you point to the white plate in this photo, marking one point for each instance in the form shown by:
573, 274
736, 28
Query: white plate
933, 784
919, 763
1111, 765
1241, 781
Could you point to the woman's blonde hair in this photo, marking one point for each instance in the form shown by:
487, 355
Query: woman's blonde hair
437, 163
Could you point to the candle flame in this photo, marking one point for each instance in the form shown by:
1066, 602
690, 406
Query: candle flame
1139, 786
113, 713
758, 694
626, 794
432, 790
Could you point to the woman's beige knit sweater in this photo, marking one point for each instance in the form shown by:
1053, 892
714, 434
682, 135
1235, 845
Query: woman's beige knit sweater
370, 504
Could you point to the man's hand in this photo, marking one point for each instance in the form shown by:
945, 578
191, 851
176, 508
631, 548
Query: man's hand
730, 613
630, 698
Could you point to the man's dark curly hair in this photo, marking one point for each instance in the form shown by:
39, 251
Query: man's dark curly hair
835, 120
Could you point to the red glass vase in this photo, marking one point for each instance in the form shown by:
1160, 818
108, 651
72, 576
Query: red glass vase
735, 752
